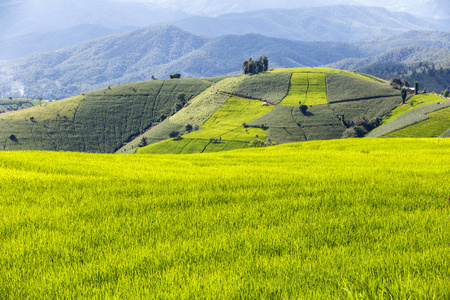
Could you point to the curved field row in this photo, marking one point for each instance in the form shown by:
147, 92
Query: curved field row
410, 118
413, 103
327, 71
437, 124
222, 131
342, 87
270, 87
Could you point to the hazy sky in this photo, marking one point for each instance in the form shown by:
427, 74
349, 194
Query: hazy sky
435, 8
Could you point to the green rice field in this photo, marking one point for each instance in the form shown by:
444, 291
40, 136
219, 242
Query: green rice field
341, 219
225, 126
309, 88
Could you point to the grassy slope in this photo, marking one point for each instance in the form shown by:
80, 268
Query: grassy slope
270, 87
297, 221
343, 87
411, 104
98, 121
350, 94
225, 124
436, 125
417, 115
309, 88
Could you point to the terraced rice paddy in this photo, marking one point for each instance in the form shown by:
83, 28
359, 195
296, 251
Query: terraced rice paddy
223, 131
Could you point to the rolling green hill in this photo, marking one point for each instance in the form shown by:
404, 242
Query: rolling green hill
98, 121
222, 113
331, 95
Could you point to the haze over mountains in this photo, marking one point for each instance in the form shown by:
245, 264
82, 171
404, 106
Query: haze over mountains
328, 23
45, 25
160, 51
200, 45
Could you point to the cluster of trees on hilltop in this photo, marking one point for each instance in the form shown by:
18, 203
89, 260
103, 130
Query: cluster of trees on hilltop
254, 67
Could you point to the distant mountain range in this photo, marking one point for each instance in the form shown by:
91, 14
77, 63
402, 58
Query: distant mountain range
31, 27
164, 50
328, 23
45, 25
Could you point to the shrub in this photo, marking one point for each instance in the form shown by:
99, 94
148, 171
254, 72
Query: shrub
446, 93
303, 108
143, 142
174, 134
256, 143
13, 138
175, 76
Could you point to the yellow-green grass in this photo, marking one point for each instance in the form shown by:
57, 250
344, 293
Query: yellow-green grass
402, 109
225, 125
309, 88
325, 71
338, 219
438, 123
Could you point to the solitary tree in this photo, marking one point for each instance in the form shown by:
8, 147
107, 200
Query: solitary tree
143, 142
446, 93
303, 108
416, 87
404, 92
174, 134
188, 127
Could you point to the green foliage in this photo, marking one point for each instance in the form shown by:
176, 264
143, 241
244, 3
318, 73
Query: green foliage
272, 87
315, 220
287, 124
369, 109
404, 93
255, 67
256, 143
143, 142
174, 134
303, 108
446, 93
175, 76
